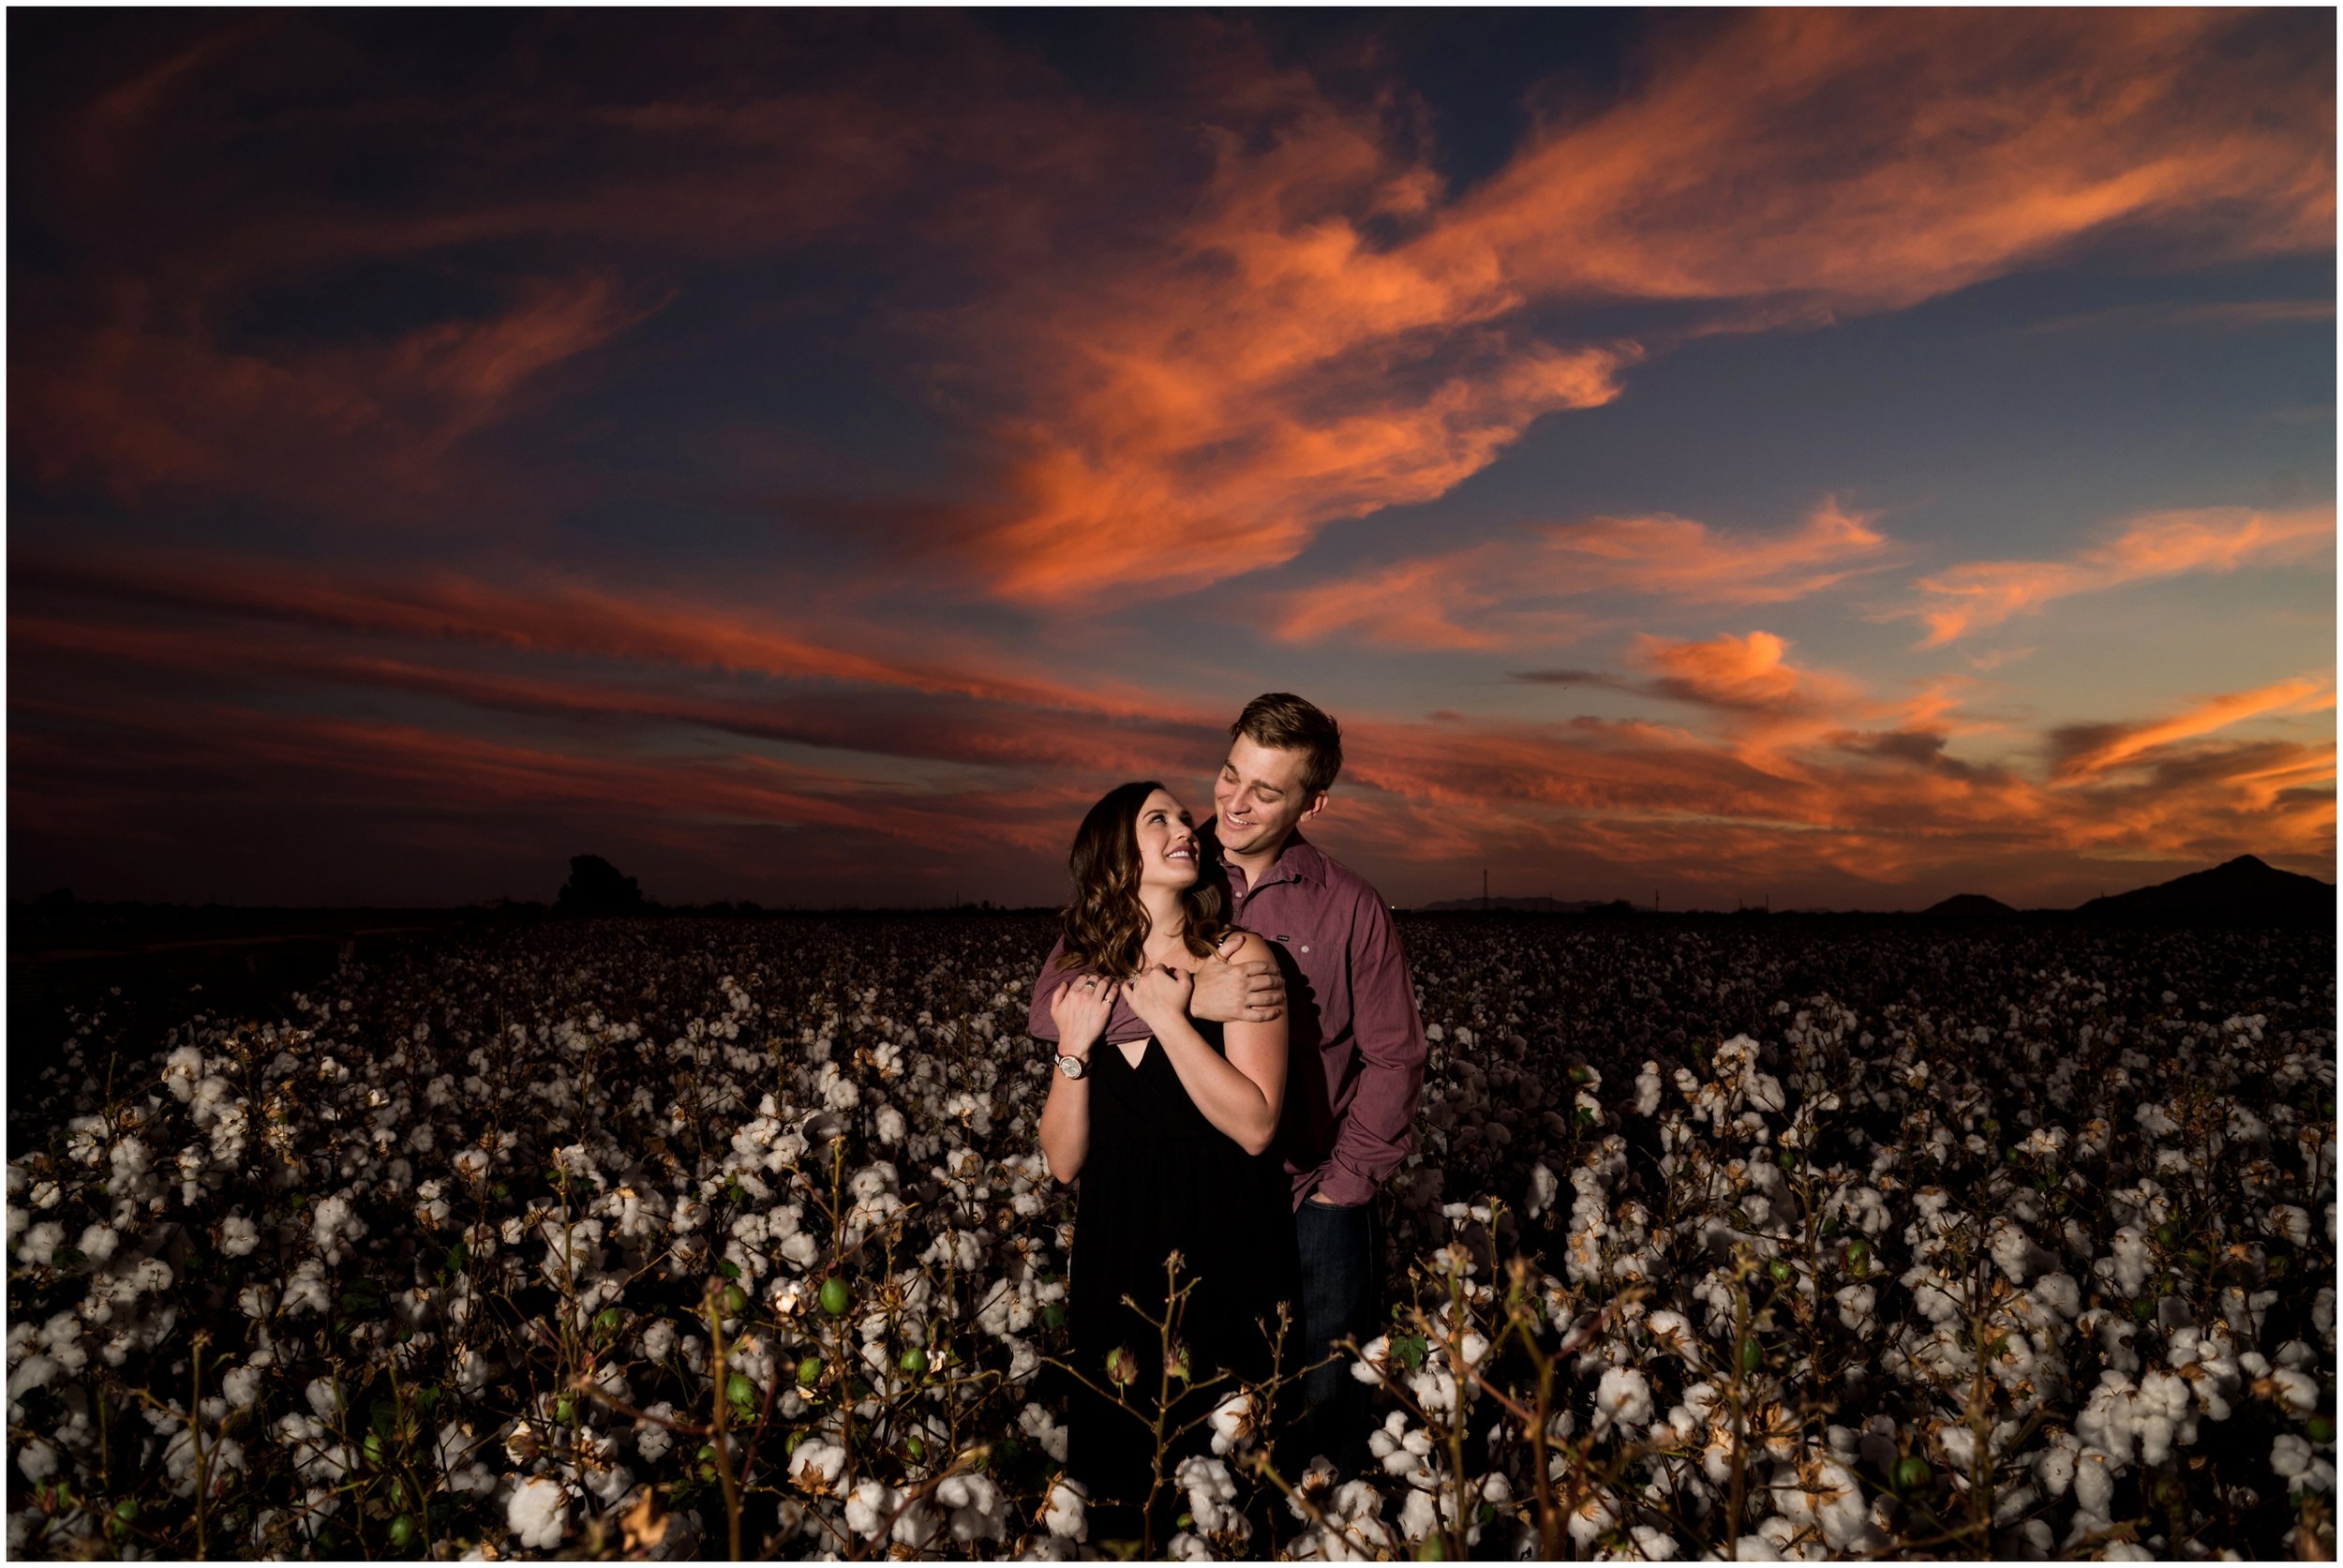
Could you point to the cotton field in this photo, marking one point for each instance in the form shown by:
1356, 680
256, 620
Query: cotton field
674, 1238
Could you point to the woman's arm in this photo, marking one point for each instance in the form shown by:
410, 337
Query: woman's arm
1081, 1015
1241, 1093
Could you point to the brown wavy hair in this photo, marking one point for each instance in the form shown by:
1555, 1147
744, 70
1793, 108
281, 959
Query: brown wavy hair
1106, 926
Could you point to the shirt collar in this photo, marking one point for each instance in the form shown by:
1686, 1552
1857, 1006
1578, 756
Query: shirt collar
1299, 861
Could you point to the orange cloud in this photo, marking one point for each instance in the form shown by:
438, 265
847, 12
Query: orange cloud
1689, 561
1728, 671
354, 428
1504, 592
2215, 539
556, 617
2089, 750
1332, 332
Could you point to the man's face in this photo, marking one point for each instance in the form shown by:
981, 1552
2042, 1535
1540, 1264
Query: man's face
1257, 798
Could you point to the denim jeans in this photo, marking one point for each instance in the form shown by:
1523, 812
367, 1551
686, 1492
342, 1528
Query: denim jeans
1342, 1277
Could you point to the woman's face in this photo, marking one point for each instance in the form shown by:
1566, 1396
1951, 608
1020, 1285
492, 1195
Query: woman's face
1167, 843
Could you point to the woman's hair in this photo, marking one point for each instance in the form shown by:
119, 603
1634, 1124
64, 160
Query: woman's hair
1106, 926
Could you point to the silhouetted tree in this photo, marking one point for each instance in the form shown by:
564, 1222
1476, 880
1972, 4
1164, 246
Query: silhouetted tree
596, 888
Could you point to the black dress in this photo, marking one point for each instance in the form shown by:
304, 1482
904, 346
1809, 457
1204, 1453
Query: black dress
1158, 1177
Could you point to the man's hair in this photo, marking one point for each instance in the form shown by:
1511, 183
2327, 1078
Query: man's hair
1287, 722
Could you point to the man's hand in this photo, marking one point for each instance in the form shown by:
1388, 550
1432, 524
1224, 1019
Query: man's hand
1252, 992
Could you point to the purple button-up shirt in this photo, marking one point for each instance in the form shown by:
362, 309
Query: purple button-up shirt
1354, 1043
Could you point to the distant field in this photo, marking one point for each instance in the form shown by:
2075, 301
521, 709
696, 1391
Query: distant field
1835, 1238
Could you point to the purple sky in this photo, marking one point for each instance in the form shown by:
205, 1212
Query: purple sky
1843, 457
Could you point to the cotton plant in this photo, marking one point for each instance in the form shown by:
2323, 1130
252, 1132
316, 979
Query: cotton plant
553, 1240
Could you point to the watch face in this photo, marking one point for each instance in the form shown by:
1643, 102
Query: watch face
1071, 1065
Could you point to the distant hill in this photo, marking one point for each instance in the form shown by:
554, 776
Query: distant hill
1969, 906
1530, 905
2246, 889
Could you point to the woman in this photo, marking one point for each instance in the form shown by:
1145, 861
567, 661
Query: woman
1167, 1121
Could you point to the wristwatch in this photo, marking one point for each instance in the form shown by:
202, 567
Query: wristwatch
1073, 1066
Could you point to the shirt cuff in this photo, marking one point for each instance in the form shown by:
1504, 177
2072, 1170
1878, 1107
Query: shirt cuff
1342, 1188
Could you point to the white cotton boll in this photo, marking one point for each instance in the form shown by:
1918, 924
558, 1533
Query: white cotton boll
1063, 1516
2297, 1392
1624, 1396
1418, 1517
658, 1339
1655, 1544
1211, 1494
98, 1243
975, 1502
539, 1513
2054, 1466
242, 1386
651, 1439
1855, 1303
2093, 1483
1648, 1090
38, 1459
1233, 1423
238, 1236
40, 1243
816, 1465
1037, 1424
2059, 1293
1596, 1514
871, 1507
321, 1397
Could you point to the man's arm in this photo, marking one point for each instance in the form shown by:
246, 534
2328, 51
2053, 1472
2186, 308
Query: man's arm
1039, 1024
1379, 1126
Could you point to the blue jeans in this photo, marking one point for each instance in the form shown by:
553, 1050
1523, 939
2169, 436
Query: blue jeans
1342, 1280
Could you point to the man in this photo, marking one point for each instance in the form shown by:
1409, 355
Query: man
1354, 1045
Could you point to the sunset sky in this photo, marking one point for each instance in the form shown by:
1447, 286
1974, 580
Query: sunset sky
1847, 458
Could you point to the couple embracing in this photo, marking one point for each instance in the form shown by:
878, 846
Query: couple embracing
1239, 1057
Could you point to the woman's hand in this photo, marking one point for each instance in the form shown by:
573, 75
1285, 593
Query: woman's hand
1160, 995
1079, 1007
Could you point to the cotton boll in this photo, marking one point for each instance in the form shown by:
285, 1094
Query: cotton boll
2094, 1484
539, 1513
242, 1386
37, 1460
1594, 1515
1624, 1396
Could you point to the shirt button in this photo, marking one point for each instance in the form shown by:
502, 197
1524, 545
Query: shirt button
1305, 947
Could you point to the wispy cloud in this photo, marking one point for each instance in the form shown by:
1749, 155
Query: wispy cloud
1282, 366
1517, 588
2084, 751
1981, 594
